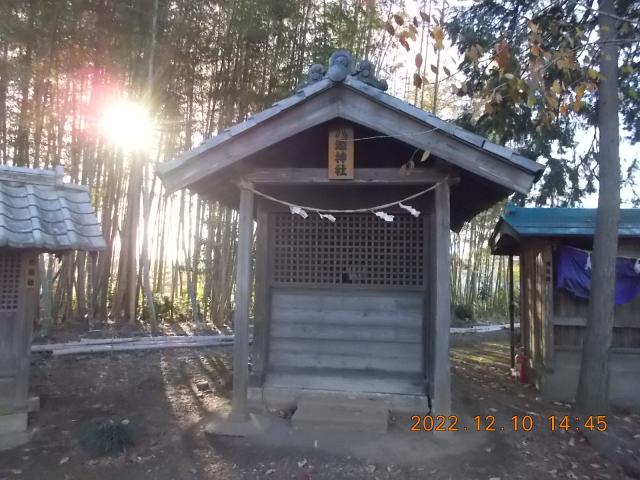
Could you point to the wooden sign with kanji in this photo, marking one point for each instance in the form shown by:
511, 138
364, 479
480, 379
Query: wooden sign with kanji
341, 153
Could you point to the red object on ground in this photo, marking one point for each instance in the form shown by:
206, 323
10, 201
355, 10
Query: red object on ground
521, 361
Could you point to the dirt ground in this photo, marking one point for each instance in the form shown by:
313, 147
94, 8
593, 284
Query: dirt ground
156, 393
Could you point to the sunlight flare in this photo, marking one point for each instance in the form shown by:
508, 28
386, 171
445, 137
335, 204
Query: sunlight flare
127, 124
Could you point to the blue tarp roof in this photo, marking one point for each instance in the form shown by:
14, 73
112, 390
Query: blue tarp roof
517, 223
561, 222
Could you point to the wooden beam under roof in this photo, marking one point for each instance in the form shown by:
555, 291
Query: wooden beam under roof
367, 176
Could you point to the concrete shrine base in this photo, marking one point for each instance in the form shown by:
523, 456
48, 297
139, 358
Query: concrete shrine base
13, 430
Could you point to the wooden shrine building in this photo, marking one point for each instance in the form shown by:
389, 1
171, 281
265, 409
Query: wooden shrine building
355, 298
38, 213
553, 312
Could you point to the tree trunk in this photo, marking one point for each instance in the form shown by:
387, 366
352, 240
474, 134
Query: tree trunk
147, 195
593, 386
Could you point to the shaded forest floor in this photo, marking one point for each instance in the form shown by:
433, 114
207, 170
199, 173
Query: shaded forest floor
157, 393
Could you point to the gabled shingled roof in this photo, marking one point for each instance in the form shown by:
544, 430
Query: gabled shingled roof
510, 157
39, 211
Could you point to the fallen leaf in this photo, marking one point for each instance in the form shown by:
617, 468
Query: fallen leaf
63, 461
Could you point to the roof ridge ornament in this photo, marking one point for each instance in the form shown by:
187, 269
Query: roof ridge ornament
365, 73
341, 67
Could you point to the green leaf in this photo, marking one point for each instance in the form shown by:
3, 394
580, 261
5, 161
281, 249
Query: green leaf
593, 74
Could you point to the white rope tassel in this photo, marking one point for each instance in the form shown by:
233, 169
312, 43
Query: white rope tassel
588, 265
384, 216
298, 211
327, 216
636, 267
410, 209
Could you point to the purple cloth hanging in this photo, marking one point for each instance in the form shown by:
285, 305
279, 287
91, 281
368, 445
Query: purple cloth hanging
573, 274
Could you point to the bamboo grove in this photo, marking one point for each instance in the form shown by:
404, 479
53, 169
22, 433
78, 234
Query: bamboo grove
199, 66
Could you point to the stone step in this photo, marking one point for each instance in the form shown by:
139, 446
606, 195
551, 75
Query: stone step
354, 415
13, 440
14, 422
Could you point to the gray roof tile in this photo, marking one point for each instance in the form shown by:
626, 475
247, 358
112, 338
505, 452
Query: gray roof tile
38, 211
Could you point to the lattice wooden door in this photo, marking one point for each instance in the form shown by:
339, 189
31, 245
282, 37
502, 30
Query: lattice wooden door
358, 249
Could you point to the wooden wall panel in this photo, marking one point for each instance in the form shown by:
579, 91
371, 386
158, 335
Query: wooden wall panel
370, 331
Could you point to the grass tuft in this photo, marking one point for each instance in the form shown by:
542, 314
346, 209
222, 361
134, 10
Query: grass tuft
107, 438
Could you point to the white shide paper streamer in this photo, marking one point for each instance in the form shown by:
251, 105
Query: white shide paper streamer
327, 216
298, 211
384, 216
410, 209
